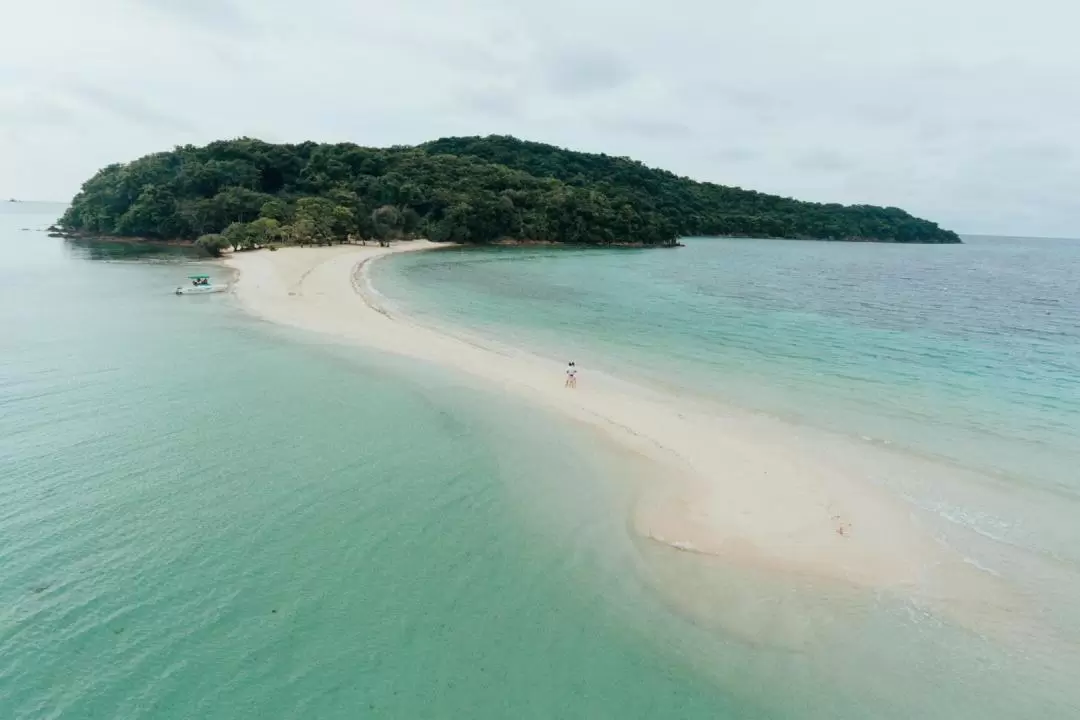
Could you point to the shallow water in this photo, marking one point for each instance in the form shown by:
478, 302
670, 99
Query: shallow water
971, 352
966, 354
950, 374
206, 516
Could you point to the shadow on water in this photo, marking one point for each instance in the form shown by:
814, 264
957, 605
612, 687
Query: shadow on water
114, 251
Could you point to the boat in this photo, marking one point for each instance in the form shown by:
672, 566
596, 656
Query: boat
200, 285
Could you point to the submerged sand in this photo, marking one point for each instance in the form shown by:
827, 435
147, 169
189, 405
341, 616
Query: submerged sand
739, 487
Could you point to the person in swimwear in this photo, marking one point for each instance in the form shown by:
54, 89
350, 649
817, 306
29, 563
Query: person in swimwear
571, 375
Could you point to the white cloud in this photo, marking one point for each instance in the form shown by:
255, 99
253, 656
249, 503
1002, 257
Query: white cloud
958, 110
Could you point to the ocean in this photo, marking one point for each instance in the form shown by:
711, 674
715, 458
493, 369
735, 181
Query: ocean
966, 355
204, 515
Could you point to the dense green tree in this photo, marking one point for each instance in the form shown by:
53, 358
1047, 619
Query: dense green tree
276, 210
213, 243
387, 222
239, 236
264, 231
322, 217
344, 221
153, 214
237, 204
471, 190
301, 231
200, 215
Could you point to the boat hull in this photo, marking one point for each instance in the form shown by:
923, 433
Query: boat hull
201, 289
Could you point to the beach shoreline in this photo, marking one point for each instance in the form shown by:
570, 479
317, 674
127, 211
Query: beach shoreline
730, 489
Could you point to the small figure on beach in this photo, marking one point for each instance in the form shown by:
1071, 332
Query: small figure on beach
571, 375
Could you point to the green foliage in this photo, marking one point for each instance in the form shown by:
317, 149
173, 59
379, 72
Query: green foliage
153, 213
387, 222
324, 221
212, 244
471, 190
276, 210
238, 235
693, 208
264, 231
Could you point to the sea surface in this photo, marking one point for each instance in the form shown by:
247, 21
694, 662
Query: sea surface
203, 515
964, 355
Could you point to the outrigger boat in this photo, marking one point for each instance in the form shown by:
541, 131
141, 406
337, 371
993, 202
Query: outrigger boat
200, 285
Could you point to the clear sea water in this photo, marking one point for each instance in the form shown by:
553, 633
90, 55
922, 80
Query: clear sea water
966, 355
202, 515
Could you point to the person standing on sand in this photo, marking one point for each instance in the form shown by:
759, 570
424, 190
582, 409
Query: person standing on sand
571, 375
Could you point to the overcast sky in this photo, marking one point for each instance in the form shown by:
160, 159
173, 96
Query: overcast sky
963, 111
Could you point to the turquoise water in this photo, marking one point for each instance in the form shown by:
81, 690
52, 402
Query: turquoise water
202, 515
983, 339
968, 355
960, 364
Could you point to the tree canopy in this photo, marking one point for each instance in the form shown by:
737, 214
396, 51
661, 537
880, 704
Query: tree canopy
245, 193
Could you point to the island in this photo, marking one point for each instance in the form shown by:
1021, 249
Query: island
247, 193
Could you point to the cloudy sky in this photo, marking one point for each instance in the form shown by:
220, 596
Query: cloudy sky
963, 111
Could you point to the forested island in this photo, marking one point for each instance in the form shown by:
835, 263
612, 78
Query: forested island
247, 193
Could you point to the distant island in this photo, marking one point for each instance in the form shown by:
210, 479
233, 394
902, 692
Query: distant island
247, 193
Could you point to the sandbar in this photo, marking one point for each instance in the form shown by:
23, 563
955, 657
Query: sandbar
738, 488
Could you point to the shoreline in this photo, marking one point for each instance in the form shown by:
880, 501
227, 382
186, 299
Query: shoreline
750, 493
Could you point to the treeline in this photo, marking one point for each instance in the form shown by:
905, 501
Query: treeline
246, 193
697, 208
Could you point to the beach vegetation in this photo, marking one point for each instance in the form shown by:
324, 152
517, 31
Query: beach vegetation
465, 190
213, 244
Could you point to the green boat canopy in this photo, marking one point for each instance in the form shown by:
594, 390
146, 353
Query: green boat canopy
197, 277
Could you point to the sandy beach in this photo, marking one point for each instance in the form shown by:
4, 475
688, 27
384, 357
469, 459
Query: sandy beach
744, 489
